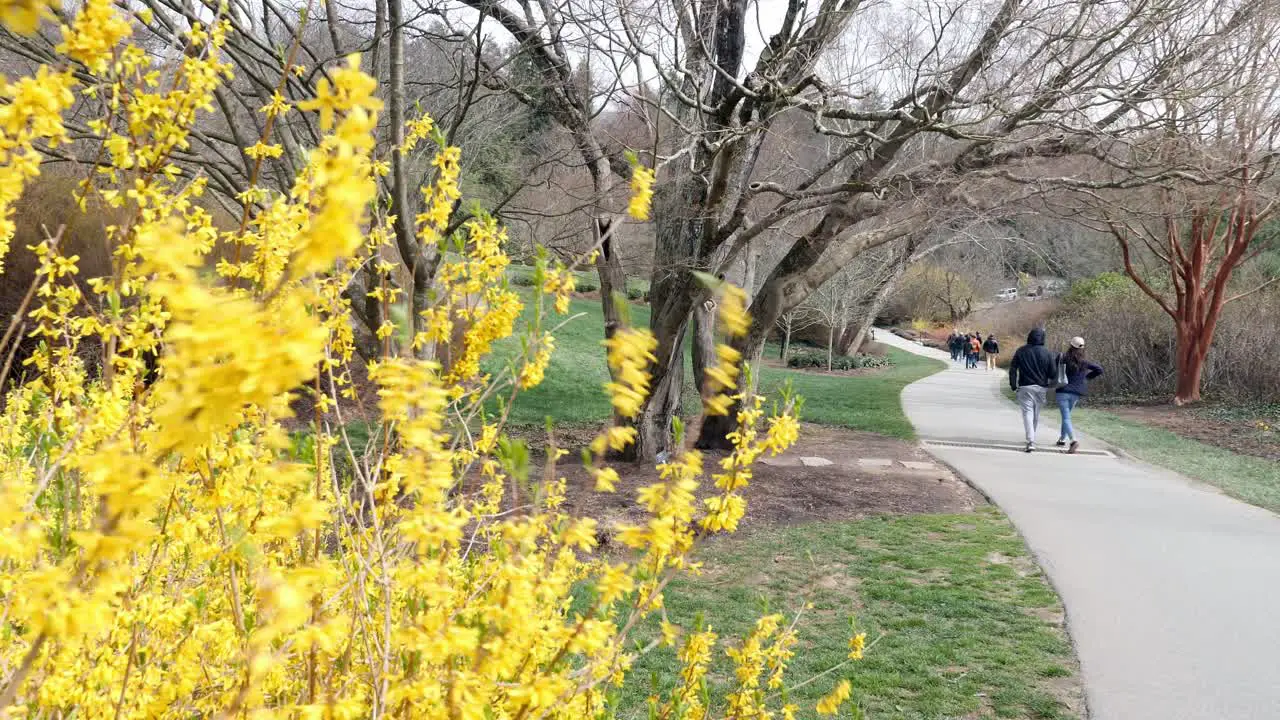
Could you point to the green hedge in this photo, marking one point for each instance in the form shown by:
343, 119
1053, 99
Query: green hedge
839, 362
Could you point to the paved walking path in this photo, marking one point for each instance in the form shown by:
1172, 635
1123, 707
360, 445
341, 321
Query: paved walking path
1172, 590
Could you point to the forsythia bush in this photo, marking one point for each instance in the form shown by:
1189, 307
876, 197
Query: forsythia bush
167, 549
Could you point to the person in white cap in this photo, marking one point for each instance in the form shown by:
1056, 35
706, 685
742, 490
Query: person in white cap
1079, 372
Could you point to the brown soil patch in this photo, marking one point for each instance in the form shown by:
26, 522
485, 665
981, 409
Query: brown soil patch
1068, 689
1252, 436
786, 492
1051, 615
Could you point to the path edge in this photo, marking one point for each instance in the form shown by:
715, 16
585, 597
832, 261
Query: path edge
1086, 709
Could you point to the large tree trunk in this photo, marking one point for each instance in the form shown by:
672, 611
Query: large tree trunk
703, 347
855, 332
1192, 349
714, 433
654, 424
750, 260
672, 294
793, 280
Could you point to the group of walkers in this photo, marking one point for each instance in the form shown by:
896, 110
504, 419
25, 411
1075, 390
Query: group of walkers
971, 347
1037, 370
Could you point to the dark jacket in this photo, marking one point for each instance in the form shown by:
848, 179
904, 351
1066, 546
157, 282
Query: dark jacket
1034, 364
991, 347
1078, 381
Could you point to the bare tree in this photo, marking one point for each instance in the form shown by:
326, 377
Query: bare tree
791, 322
1200, 243
832, 305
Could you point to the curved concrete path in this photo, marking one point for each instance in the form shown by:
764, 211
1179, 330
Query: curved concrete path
1172, 589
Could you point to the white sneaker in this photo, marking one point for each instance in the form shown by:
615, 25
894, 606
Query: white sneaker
1031, 447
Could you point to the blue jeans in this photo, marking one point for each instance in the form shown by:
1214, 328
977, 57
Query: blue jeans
1066, 403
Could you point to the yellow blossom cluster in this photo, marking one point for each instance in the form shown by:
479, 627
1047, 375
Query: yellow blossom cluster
630, 351
175, 543
641, 192
31, 113
722, 378
830, 705
23, 16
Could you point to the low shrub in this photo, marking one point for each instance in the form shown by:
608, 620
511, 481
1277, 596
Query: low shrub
839, 362
637, 289
520, 275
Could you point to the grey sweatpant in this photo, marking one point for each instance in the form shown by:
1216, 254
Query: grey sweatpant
1031, 398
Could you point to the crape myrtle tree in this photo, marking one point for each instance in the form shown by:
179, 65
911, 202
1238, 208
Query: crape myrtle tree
936, 101
1210, 199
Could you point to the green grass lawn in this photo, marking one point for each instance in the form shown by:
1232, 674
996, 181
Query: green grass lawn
573, 392
956, 609
868, 402
1253, 480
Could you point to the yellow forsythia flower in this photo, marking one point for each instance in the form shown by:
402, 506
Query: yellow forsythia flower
190, 526
830, 704
629, 353
95, 35
641, 192
733, 311
23, 16
857, 644
260, 150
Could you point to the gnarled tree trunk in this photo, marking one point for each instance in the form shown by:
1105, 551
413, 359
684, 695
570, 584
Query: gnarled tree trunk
672, 294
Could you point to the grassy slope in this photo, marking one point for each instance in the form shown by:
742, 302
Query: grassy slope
956, 616
862, 402
573, 389
1250, 479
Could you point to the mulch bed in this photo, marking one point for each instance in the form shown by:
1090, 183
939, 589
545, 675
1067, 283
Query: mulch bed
791, 494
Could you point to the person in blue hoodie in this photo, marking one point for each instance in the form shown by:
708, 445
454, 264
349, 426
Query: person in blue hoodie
1032, 374
1079, 372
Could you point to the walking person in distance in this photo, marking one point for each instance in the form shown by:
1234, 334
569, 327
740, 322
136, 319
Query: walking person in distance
992, 349
1032, 374
975, 346
1079, 372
